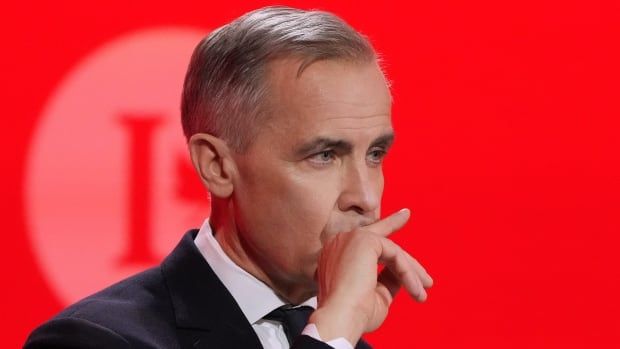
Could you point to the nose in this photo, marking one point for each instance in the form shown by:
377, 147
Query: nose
362, 187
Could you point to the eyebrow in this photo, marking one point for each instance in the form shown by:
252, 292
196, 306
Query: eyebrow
384, 141
340, 145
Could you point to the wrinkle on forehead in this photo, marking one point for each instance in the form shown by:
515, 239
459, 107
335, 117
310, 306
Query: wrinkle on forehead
362, 127
317, 98
356, 117
355, 122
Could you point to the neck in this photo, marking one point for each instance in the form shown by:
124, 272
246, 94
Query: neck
230, 239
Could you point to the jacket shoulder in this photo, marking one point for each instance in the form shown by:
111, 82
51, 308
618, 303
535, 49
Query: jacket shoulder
135, 310
75, 333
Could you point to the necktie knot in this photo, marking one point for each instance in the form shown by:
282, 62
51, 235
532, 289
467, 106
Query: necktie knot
293, 319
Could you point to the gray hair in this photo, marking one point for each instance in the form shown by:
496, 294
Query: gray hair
225, 88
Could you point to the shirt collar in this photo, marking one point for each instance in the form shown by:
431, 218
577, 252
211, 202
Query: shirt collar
253, 297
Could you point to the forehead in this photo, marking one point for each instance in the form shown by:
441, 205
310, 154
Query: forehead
330, 98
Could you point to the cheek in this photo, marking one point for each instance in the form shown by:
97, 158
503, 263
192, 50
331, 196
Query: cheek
309, 201
316, 211
286, 219
289, 206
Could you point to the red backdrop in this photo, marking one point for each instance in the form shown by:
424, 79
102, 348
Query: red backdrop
507, 153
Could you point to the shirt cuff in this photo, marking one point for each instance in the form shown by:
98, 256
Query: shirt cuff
337, 343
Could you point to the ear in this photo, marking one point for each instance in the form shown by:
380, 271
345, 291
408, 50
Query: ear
212, 160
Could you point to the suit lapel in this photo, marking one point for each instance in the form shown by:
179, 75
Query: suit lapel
206, 314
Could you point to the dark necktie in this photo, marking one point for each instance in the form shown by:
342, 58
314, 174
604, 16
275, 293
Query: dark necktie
293, 319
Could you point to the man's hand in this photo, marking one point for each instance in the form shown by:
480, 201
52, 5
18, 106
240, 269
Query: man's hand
352, 300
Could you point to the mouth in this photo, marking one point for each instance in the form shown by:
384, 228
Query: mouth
347, 227
367, 222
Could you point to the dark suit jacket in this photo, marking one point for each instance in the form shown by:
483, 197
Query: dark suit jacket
180, 304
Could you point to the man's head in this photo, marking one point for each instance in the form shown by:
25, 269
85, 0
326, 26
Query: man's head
287, 115
226, 87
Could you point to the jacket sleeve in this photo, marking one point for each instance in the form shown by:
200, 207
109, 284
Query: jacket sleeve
307, 342
73, 333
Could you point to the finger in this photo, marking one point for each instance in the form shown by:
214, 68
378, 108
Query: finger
391, 223
425, 278
389, 280
393, 285
403, 271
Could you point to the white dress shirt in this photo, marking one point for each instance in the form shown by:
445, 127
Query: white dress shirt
255, 298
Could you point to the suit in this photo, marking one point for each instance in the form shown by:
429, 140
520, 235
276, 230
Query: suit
179, 304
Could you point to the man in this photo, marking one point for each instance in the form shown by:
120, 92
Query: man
287, 116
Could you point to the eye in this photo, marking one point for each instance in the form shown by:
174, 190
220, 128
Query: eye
323, 158
376, 155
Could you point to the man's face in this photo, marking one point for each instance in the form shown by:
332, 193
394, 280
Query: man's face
314, 170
